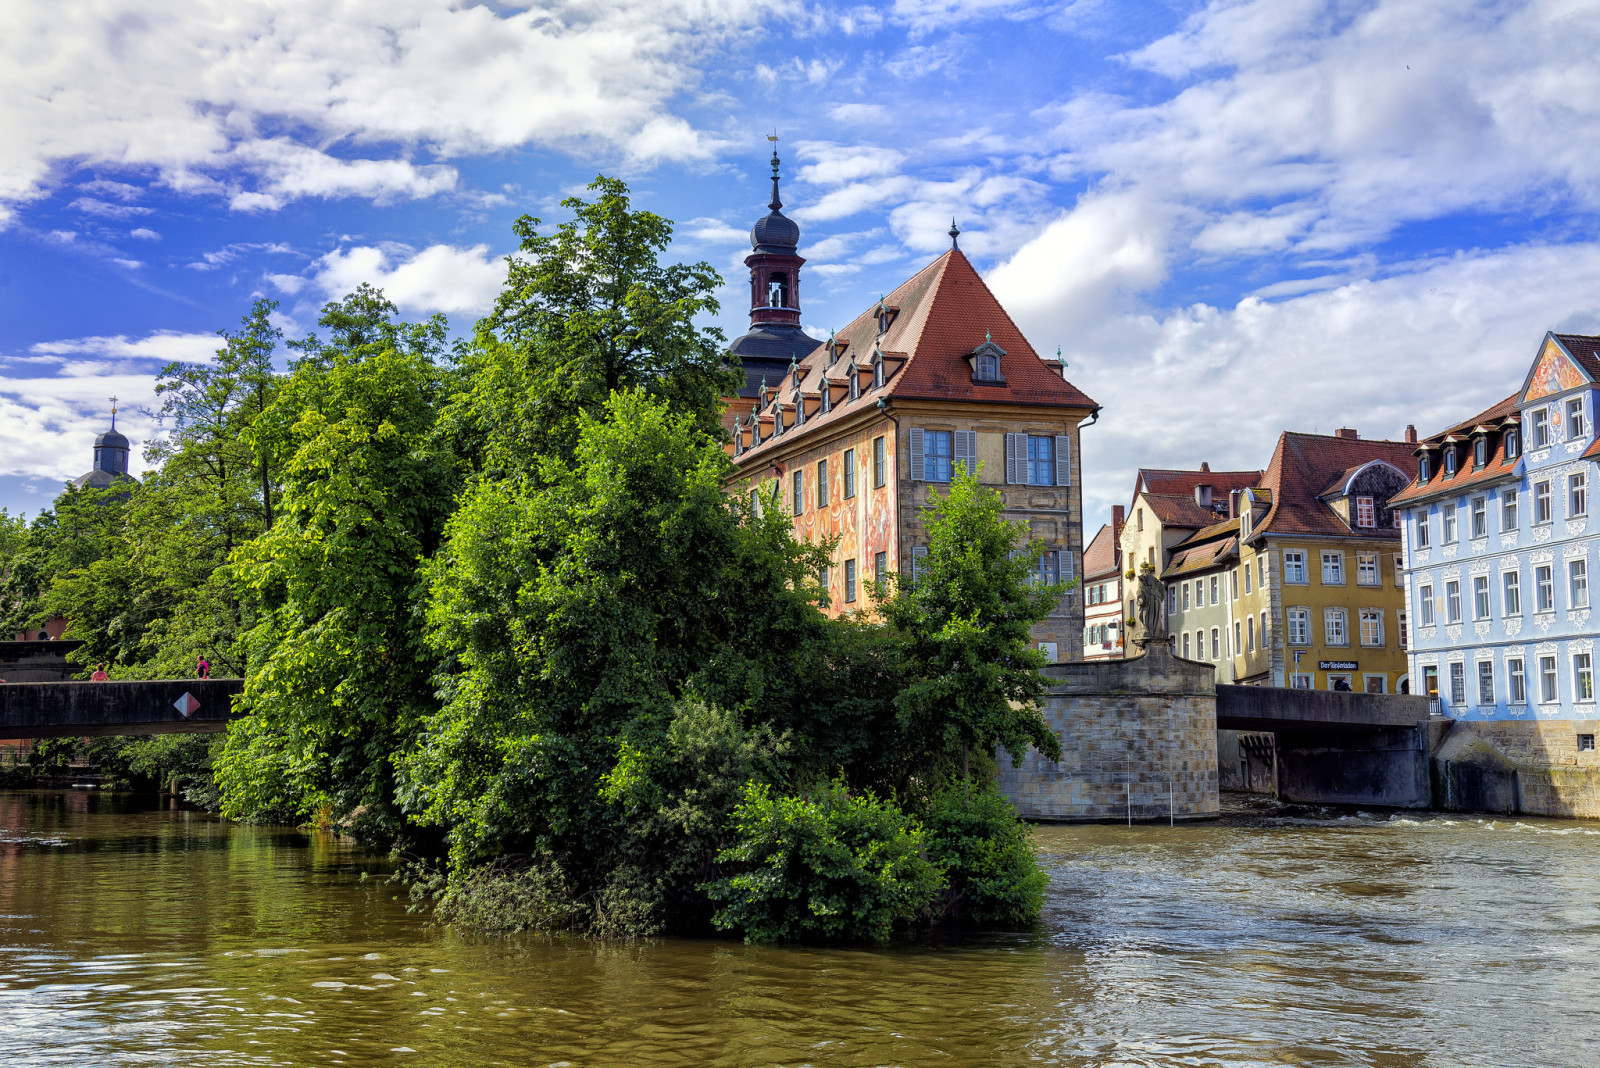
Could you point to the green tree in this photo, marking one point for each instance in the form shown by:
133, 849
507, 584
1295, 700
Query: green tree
588, 310
993, 876
972, 672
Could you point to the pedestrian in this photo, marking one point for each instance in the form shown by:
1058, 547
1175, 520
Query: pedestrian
99, 674
202, 668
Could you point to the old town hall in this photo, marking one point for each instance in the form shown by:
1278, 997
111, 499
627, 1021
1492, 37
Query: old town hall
857, 434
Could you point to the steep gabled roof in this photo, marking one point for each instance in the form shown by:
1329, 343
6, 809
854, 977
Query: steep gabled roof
941, 315
1180, 513
1206, 548
1101, 557
1303, 465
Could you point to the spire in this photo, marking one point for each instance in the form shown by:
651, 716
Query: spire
954, 232
775, 203
113, 413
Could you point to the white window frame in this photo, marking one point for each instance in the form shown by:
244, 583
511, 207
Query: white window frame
1543, 512
1335, 627
1368, 570
1336, 675
1336, 558
1366, 512
1295, 571
1577, 495
1544, 582
1511, 593
1578, 583
1447, 524
1481, 605
1452, 601
1374, 616
1489, 679
1549, 681
1426, 603
1508, 510
1299, 618
1301, 680
1478, 517
1422, 528
1367, 679
1516, 681
1577, 423
1583, 677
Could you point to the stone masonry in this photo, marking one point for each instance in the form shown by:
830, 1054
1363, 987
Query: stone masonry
1133, 733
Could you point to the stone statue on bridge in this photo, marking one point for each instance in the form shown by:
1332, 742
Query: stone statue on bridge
1152, 607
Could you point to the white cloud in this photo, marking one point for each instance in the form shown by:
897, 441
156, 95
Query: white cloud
144, 234
440, 278
48, 425
1219, 384
161, 345
263, 102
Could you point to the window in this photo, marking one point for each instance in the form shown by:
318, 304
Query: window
877, 374
1233, 582
1424, 469
1544, 585
1264, 630
1458, 683
1294, 566
1516, 682
1430, 681
1371, 626
1186, 655
1215, 585
1480, 452
1450, 461
1577, 584
1333, 569
1367, 569
1541, 502
919, 562
1486, 682
799, 492
1511, 585
1247, 576
1480, 517
1238, 642
1300, 682
879, 465
938, 454
1141, 519
1539, 431
1398, 565
1513, 445
1547, 679
1339, 683
755, 501
1577, 425
1366, 514
1422, 530
822, 483
1250, 634
1508, 510
1480, 597
1299, 626
1048, 570
988, 368
1447, 524
1452, 601
1041, 461
855, 383
880, 567
1263, 568
1425, 602
1577, 495
1335, 627
1186, 596
1582, 677
1376, 683
1216, 644
849, 473
849, 581
1585, 743
822, 580
1405, 631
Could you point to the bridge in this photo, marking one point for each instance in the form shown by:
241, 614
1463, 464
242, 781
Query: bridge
1324, 746
37, 699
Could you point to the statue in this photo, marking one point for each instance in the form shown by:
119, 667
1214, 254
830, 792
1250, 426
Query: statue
1152, 606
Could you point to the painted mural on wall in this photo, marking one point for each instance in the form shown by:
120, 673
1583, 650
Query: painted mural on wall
864, 524
1555, 373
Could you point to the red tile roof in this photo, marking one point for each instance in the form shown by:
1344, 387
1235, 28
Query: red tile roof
1102, 555
1303, 466
1182, 483
1204, 549
945, 311
1443, 485
1585, 349
1181, 512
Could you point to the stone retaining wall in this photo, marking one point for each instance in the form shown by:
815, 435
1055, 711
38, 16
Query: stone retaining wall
1134, 733
1532, 767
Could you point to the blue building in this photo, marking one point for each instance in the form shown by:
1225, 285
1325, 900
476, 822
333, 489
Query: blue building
1499, 548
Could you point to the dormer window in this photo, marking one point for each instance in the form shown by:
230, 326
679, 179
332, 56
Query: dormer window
1449, 461
1480, 452
877, 370
985, 362
855, 384
988, 368
827, 396
799, 408
1424, 469
1513, 444
885, 315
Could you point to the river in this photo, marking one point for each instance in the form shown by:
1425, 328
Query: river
137, 934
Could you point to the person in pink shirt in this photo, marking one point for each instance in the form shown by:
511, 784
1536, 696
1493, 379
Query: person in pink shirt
99, 674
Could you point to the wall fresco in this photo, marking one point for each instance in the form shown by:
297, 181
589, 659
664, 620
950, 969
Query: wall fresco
863, 524
1555, 373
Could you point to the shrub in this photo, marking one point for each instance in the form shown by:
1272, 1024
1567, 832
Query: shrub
986, 853
833, 867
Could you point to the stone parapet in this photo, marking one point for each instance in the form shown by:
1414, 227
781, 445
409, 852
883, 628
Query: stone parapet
1138, 739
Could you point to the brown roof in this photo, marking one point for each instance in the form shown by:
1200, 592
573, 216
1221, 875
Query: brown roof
1585, 349
1204, 548
944, 312
1101, 557
1182, 483
1303, 466
1439, 484
1182, 512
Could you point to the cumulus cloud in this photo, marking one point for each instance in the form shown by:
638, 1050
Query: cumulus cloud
163, 345
1427, 343
264, 102
440, 278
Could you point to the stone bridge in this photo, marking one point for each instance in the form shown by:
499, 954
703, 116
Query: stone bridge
86, 709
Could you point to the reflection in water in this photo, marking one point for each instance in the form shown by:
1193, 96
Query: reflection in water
137, 935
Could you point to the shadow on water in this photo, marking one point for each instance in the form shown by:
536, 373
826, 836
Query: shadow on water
132, 933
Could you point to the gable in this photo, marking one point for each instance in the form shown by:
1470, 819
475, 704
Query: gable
1554, 372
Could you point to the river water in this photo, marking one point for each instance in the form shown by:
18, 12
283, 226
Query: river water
132, 934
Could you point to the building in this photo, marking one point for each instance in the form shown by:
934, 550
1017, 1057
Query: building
1102, 591
1169, 507
862, 432
1316, 594
1200, 606
1499, 546
110, 459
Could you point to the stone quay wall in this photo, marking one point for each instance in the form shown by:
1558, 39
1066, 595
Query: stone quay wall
1531, 767
1138, 738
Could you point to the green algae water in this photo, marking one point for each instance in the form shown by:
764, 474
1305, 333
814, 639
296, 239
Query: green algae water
134, 934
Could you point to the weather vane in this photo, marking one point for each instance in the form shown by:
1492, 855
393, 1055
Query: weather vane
113, 413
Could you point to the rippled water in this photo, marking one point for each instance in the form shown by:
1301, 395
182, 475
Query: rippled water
134, 935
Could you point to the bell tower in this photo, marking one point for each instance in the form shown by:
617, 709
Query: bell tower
775, 338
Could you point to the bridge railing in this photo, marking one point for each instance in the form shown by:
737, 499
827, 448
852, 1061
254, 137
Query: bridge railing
78, 709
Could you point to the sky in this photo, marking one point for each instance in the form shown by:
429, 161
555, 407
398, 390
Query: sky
1233, 219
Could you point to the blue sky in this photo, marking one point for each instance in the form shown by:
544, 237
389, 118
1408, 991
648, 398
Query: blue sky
1233, 218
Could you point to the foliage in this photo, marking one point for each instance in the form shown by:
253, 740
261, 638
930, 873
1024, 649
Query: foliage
975, 836
973, 679
833, 866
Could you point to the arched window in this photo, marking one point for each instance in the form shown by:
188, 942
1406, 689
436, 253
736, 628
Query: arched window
988, 368
778, 290
855, 384
877, 374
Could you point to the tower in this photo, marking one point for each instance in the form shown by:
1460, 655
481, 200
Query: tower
775, 338
110, 457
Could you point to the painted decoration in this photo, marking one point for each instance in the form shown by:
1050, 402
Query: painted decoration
1554, 373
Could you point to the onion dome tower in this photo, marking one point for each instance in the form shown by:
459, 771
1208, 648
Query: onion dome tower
775, 338
110, 458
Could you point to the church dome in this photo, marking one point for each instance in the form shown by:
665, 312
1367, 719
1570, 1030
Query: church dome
775, 232
111, 439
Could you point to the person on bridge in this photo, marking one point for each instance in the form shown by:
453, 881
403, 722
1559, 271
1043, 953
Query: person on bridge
99, 674
202, 668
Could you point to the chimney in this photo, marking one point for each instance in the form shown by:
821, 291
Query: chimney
1202, 495
1233, 504
1411, 434
1118, 517
1347, 433
1205, 466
